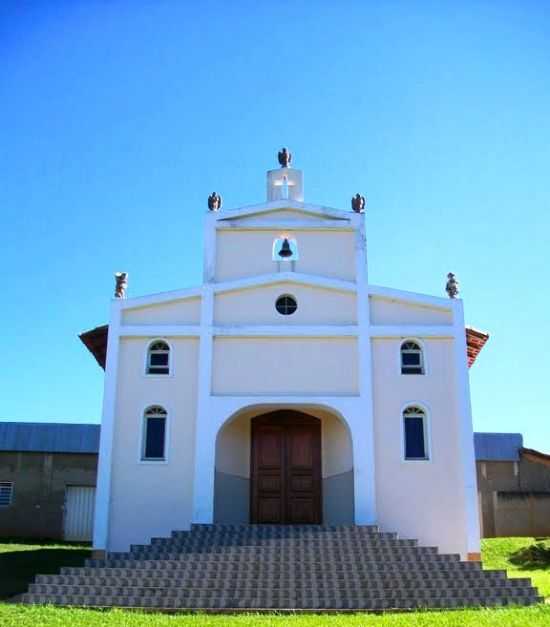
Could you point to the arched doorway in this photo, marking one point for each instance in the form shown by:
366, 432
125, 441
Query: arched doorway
233, 482
285, 469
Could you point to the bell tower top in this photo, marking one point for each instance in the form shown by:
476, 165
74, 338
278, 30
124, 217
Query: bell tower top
285, 183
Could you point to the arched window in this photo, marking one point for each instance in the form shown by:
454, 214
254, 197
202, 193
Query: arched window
415, 430
154, 434
158, 358
412, 359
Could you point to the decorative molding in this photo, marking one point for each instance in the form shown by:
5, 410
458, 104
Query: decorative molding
284, 330
407, 331
285, 225
160, 331
287, 204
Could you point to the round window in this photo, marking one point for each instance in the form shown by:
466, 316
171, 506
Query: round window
286, 305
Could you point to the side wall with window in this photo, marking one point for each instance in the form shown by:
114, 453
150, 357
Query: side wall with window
421, 499
152, 497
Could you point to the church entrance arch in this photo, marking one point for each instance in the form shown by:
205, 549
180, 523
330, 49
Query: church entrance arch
284, 464
285, 470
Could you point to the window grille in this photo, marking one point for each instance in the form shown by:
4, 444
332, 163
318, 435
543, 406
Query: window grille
158, 358
286, 305
412, 359
6, 493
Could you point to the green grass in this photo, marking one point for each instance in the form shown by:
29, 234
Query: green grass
20, 561
521, 557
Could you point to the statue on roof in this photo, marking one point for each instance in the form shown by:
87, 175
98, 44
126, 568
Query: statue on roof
121, 284
358, 203
285, 158
452, 286
214, 202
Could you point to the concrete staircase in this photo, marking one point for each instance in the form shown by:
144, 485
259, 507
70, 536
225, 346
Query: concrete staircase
247, 567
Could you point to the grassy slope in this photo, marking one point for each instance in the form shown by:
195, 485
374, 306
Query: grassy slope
19, 562
497, 553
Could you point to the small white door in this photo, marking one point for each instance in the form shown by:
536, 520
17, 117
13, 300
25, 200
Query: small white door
79, 513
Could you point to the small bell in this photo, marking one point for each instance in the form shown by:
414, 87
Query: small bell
285, 249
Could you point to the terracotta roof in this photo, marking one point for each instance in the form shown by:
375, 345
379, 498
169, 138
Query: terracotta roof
95, 341
476, 341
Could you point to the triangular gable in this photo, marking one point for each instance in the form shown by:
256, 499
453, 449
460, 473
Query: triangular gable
285, 210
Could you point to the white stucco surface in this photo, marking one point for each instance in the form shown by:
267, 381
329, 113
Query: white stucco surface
251, 366
185, 311
386, 312
245, 253
257, 306
152, 499
419, 499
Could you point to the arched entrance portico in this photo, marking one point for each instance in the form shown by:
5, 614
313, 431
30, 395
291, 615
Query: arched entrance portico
294, 477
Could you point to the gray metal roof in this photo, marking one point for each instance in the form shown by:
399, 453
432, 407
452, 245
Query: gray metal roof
47, 437
498, 447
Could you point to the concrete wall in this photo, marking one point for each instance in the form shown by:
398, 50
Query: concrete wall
419, 499
314, 366
152, 498
257, 306
232, 479
242, 253
514, 497
39, 486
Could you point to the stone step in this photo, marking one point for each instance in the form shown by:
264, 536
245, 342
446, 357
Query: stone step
493, 578
117, 588
296, 601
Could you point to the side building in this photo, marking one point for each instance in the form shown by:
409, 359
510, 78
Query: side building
47, 480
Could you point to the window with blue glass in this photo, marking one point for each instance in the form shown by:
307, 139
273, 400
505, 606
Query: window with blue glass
158, 358
154, 434
412, 359
415, 434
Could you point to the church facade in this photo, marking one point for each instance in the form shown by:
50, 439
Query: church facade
286, 389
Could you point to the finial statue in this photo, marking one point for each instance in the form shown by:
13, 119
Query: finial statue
358, 203
285, 158
121, 283
214, 202
452, 286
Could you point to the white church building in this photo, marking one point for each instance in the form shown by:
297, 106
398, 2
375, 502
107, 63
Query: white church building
286, 389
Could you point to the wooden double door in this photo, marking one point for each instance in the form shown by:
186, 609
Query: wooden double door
286, 469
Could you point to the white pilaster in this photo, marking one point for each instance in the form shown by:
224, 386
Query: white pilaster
464, 409
205, 431
363, 432
103, 490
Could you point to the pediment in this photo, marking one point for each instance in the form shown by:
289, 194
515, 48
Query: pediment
285, 212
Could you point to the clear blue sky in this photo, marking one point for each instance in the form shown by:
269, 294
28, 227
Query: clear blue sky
118, 118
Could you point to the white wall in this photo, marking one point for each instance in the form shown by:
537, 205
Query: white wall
423, 500
316, 366
257, 306
176, 312
242, 253
152, 498
387, 312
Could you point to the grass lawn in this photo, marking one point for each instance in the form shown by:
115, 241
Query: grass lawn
19, 562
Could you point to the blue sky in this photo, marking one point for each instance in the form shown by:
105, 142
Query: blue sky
119, 118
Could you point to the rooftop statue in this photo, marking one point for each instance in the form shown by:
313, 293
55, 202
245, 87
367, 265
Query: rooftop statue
452, 286
358, 203
214, 202
121, 284
285, 158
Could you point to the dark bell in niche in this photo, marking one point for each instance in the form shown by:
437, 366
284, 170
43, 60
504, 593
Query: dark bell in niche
285, 249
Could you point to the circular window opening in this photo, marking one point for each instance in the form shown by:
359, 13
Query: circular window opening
286, 305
